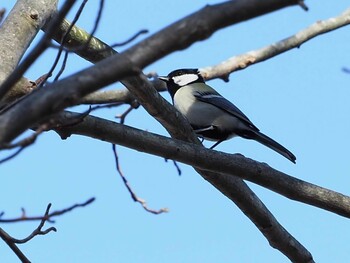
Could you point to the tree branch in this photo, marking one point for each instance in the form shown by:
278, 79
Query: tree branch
24, 23
231, 186
47, 217
11, 242
8, 240
210, 160
132, 193
224, 68
38, 230
14, 75
200, 26
221, 70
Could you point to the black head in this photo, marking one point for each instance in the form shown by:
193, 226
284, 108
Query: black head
181, 77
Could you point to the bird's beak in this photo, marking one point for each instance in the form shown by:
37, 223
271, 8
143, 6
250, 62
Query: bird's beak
163, 78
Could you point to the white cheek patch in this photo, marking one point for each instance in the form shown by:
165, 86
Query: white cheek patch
185, 79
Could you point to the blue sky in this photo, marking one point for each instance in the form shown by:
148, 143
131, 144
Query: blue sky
299, 98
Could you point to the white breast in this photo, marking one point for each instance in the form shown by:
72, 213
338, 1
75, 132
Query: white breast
202, 114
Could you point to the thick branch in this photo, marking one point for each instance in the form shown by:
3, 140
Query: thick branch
24, 23
198, 156
43, 102
210, 160
122, 96
200, 26
221, 70
43, 44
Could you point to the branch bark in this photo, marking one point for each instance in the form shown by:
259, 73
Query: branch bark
10, 81
225, 180
24, 21
235, 165
8, 240
224, 68
200, 26
221, 70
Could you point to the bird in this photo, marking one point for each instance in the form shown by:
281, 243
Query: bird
211, 116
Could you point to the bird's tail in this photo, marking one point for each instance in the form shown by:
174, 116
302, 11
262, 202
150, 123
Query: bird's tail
272, 144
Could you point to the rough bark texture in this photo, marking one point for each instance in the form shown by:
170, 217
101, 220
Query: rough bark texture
17, 32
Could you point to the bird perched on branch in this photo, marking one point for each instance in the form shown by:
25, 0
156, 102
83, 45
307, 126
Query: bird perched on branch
211, 115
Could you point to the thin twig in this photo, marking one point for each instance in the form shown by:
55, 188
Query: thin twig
131, 39
107, 47
69, 209
104, 106
11, 156
64, 39
22, 144
303, 5
52, 123
47, 217
177, 167
38, 230
124, 114
66, 36
63, 66
28, 140
11, 241
90, 35
27, 90
179, 172
132, 193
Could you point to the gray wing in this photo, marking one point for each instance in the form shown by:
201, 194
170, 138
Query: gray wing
218, 101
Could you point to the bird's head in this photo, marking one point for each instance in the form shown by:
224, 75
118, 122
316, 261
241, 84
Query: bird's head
181, 77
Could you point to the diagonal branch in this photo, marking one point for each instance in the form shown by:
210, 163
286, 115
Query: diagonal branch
23, 23
210, 160
224, 68
200, 26
8, 240
231, 186
15, 75
221, 70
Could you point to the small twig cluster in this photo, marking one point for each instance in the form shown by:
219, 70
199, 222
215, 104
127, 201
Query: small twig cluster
47, 217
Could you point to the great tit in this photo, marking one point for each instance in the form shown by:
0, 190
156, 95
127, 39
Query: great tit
211, 116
